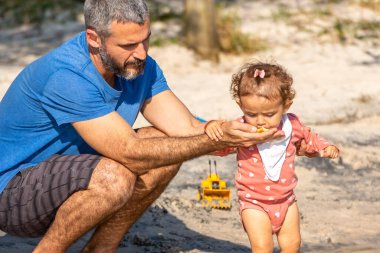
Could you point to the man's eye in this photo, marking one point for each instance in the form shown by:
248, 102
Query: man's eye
130, 46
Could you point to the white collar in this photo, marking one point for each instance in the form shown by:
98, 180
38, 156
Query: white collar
273, 153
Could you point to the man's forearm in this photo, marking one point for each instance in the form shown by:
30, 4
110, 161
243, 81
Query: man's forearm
144, 154
111, 136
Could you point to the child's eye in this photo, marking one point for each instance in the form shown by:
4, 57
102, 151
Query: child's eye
270, 114
251, 115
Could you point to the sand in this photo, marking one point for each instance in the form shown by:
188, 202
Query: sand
338, 91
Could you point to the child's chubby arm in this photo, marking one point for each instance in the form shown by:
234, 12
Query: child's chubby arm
214, 132
311, 143
318, 145
329, 152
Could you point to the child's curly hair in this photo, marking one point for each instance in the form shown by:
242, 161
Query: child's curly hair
277, 82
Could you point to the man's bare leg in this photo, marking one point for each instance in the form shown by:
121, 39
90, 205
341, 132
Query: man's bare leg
110, 186
148, 188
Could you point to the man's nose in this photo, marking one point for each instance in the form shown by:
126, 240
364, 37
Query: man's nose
140, 51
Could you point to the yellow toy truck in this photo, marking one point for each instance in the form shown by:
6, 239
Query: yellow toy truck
213, 191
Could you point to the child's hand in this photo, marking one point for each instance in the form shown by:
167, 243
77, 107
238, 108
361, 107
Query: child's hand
213, 130
330, 152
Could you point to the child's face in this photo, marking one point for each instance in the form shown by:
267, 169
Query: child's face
262, 112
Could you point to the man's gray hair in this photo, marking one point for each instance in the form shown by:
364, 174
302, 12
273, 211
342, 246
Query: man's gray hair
99, 14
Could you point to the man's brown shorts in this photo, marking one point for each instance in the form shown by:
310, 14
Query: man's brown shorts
30, 201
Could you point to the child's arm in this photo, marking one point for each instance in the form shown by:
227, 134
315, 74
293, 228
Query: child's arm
315, 144
213, 129
215, 133
329, 152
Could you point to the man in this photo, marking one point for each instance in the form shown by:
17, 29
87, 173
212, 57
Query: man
69, 159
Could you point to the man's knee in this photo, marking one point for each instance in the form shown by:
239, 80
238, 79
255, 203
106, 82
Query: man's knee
159, 177
170, 172
112, 180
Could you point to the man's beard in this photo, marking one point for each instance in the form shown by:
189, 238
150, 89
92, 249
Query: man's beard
124, 70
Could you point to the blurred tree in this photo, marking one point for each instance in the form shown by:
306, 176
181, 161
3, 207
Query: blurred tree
200, 28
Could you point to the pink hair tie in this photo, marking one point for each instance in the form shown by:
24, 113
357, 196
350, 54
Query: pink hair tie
260, 73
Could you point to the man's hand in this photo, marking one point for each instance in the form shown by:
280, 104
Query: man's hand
237, 134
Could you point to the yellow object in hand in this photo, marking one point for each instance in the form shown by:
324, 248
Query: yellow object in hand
261, 130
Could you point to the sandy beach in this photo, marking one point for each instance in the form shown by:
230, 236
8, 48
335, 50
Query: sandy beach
338, 96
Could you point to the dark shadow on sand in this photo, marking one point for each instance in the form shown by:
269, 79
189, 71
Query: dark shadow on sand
160, 231
157, 231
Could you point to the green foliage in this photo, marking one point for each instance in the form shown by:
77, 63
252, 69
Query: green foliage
232, 40
160, 41
320, 11
362, 30
16, 12
368, 25
161, 12
282, 14
338, 26
322, 20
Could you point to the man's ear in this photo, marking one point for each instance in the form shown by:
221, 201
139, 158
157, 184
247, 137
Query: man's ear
93, 38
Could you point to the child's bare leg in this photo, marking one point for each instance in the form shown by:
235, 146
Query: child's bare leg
289, 236
259, 230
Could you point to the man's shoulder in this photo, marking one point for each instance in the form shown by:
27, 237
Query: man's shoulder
70, 61
73, 53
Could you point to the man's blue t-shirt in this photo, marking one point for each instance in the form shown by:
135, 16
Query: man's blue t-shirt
63, 87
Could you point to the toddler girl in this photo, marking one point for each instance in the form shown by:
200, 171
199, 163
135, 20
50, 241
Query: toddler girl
266, 179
